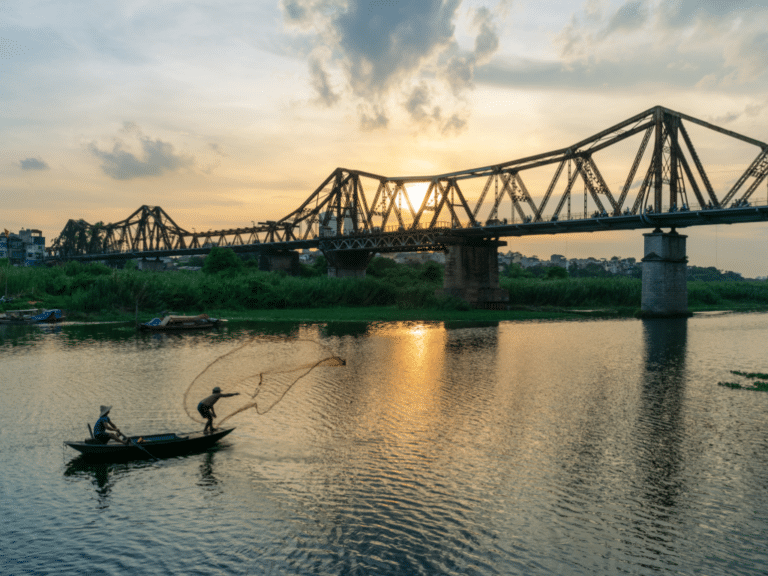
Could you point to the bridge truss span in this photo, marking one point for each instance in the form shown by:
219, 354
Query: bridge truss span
645, 172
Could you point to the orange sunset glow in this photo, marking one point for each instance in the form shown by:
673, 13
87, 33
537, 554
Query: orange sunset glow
235, 112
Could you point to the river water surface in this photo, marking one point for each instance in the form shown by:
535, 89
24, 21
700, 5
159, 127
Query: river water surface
595, 447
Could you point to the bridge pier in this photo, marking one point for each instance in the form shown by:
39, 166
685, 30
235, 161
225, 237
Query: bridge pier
472, 272
155, 264
348, 263
665, 289
275, 260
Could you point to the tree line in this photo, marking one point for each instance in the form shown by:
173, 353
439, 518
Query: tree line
229, 282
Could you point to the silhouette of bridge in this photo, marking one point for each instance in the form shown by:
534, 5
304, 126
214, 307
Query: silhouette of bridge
342, 213
663, 183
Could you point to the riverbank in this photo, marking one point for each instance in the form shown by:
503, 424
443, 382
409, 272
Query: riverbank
394, 314
389, 292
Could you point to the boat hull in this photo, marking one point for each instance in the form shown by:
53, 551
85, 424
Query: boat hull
149, 446
180, 326
44, 317
172, 323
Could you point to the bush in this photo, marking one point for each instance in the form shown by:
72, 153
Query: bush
592, 292
431, 272
381, 267
556, 272
450, 303
516, 271
221, 260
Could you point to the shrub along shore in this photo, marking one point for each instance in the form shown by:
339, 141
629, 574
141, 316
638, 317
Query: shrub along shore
227, 287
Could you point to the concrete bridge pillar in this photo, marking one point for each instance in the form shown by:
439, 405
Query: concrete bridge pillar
472, 273
665, 291
348, 263
155, 264
273, 261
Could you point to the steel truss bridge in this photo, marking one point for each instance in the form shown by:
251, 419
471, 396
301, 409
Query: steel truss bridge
662, 184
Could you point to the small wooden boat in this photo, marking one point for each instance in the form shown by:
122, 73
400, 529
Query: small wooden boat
31, 316
180, 323
149, 446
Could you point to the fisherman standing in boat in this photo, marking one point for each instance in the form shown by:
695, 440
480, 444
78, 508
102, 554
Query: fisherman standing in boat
205, 407
101, 430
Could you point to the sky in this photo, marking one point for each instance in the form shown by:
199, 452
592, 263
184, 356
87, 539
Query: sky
231, 112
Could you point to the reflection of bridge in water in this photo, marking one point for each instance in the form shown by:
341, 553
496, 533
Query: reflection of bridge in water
664, 183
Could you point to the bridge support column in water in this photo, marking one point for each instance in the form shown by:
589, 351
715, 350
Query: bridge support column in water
665, 292
348, 263
274, 260
472, 272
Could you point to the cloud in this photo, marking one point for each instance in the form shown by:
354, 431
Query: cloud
682, 13
717, 44
217, 149
602, 75
321, 85
587, 31
459, 72
295, 12
487, 41
422, 110
572, 40
384, 48
383, 42
750, 111
10, 49
453, 125
157, 157
630, 16
593, 10
727, 118
372, 118
418, 103
748, 56
33, 164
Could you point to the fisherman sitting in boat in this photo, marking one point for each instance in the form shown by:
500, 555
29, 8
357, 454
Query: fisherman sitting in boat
205, 407
104, 430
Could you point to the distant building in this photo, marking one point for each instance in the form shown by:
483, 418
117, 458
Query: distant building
559, 260
27, 248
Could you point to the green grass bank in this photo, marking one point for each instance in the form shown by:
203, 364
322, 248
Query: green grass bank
389, 292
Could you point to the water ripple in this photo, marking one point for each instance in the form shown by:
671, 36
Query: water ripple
521, 448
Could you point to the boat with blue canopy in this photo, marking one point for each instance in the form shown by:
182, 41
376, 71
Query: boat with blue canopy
31, 316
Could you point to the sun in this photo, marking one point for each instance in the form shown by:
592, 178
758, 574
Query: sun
416, 193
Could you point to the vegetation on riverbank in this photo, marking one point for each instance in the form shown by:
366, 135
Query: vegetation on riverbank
749, 381
390, 291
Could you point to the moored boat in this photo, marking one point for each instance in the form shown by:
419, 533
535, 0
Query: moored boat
148, 446
31, 316
173, 322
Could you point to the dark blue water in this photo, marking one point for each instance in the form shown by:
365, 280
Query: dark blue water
600, 447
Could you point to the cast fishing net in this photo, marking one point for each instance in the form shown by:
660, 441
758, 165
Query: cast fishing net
263, 370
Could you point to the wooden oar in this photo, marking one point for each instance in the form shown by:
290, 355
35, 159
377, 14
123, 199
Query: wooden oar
140, 447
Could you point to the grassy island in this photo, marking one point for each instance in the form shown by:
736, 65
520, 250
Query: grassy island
226, 286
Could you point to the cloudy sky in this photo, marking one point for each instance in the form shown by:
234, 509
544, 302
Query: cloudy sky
233, 111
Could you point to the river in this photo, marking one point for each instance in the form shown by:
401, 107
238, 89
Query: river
539, 447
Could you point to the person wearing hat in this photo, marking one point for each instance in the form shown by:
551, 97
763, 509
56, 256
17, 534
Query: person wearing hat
104, 430
205, 407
